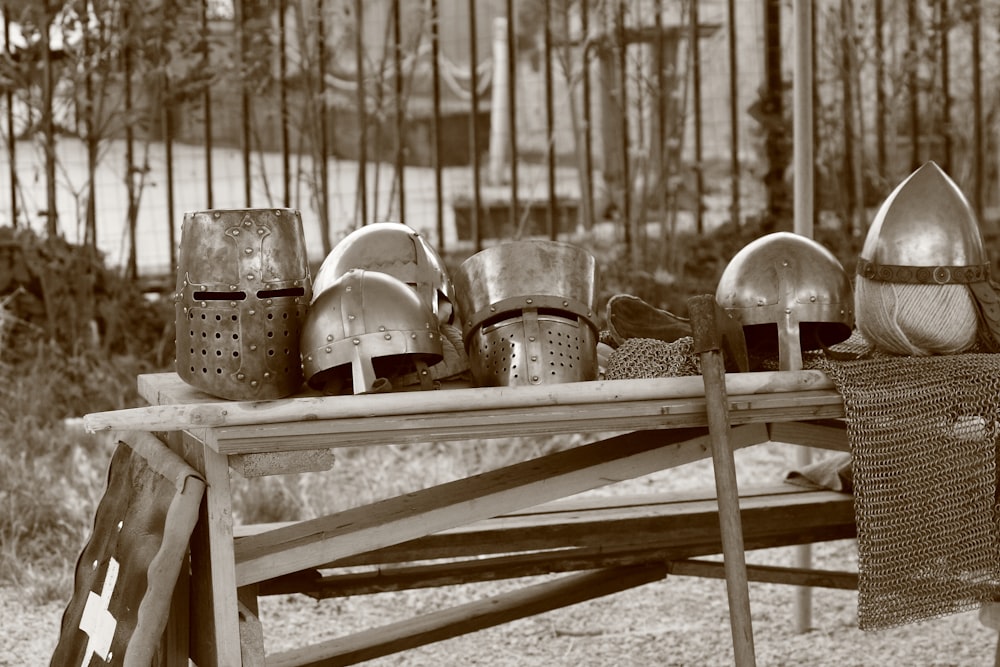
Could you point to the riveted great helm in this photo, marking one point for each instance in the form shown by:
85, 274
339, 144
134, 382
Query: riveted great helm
791, 283
243, 288
926, 233
527, 309
365, 327
396, 249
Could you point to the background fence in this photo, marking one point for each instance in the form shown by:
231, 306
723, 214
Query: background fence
474, 120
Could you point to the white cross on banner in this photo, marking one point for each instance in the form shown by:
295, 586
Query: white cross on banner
97, 621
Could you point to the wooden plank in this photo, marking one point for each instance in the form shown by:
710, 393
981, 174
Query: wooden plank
282, 463
770, 574
826, 434
470, 617
539, 421
395, 520
192, 409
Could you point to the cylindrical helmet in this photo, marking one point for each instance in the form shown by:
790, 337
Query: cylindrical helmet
396, 249
367, 326
242, 292
790, 294
528, 313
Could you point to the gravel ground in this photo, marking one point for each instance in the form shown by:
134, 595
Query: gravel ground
676, 622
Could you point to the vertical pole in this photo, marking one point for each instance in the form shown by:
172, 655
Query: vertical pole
48, 84
699, 175
512, 111
90, 234
802, 130
473, 131
286, 170
622, 46
11, 139
241, 58
847, 112
397, 57
324, 168
359, 54
734, 116
550, 138
912, 33
436, 123
207, 101
588, 153
979, 140
944, 25
133, 196
881, 157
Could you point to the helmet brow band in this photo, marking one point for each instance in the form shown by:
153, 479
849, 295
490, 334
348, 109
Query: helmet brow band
288, 291
219, 296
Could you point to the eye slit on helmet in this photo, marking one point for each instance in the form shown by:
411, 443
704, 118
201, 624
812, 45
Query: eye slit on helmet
274, 293
219, 296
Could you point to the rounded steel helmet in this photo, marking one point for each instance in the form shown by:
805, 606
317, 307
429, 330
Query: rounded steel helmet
790, 294
367, 326
396, 249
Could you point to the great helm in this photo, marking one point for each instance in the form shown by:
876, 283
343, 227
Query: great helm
366, 326
396, 249
527, 309
243, 288
792, 283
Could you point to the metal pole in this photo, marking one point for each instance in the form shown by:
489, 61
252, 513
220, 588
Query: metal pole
207, 99
550, 152
362, 103
11, 139
400, 109
512, 111
286, 170
436, 122
473, 133
734, 116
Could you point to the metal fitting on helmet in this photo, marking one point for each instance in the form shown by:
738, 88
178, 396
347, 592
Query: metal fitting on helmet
528, 313
242, 292
793, 284
366, 326
395, 249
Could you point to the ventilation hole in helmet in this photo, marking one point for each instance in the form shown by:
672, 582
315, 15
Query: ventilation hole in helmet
284, 316
218, 353
236, 336
270, 353
204, 316
234, 318
275, 293
219, 296
270, 316
218, 335
270, 334
218, 371
236, 354
218, 318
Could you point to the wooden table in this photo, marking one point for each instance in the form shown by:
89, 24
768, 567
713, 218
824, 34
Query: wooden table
659, 424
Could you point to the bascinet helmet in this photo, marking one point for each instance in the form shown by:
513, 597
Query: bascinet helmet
396, 249
790, 294
243, 289
367, 326
527, 309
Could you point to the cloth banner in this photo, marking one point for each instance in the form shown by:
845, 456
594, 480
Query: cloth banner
126, 573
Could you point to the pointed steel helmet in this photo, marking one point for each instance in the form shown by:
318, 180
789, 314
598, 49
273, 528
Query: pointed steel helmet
791, 282
396, 249
365, 326
925, 232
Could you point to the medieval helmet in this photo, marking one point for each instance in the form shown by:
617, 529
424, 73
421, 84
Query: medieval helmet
527, 309
243, 288
396, 249
792, 283
366, 326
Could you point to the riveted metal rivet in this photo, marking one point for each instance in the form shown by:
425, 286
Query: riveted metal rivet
328, 349
784, 263
329, 338
534, 378
232, 304
356, 341
204, 304
267, 374
531, 339
252, 311
94, 564
236, 232
348, 288
565, 303
534, 357
388, 336
812, 298
254, 383
788, 311
493, 309
528, 301
277, 212
270, 302
260, 231
382, 328
249, 276
413, 336
253, 348
233, 287
246, 223
217, 214
241, 376
247, 251
352, 317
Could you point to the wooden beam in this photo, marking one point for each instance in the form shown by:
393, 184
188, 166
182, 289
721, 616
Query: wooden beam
325, 539
823, 434
770, 574
470, 617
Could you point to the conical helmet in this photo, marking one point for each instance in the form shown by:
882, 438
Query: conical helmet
925, 232
396, 249
790, 294
366, 326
